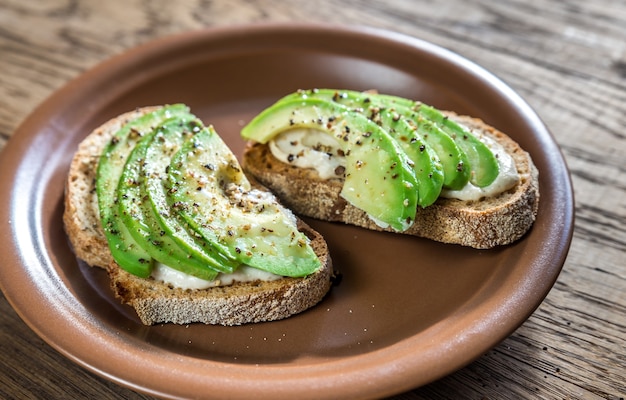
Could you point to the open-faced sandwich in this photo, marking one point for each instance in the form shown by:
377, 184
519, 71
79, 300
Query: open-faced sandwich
158, 199
388, 163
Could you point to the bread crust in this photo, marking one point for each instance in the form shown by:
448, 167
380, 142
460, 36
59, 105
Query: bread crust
481, 224
157, 302
241, 303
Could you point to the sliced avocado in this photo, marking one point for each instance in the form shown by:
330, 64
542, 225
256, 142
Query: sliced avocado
483, 162
124, 249
427, 163
379, 178
210, 191
452, 158
484, 167
159, 150
136, 210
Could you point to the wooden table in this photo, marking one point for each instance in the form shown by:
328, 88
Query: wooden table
567, 59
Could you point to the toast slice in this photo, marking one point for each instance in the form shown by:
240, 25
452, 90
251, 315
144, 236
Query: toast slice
481, 224
158, 302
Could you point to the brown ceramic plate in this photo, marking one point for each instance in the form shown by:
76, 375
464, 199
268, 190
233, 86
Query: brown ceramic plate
407, 312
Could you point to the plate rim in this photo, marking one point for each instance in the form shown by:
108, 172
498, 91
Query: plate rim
126, 60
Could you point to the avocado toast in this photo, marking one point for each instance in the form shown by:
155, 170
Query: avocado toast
471, 184
158, 200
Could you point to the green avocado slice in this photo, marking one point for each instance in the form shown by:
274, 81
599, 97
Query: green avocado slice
124, 249
158, 152
136, 208
483, 163
210, 192
452, 160
379, 177
427, 165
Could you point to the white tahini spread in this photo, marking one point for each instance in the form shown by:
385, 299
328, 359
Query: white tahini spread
178, 279
309, 148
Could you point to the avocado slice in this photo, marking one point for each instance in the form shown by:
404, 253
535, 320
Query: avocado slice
124, 249
426, 163
158, 152
452, 160
209, 190
484, 167
136, 210
430, 172
379, 177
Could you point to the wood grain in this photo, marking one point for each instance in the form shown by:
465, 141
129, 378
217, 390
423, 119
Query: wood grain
567, 59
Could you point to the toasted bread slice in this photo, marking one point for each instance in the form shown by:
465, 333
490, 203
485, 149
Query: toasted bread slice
481, 224
158, 302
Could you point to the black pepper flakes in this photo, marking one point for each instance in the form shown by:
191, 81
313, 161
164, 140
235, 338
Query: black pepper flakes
134, 133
